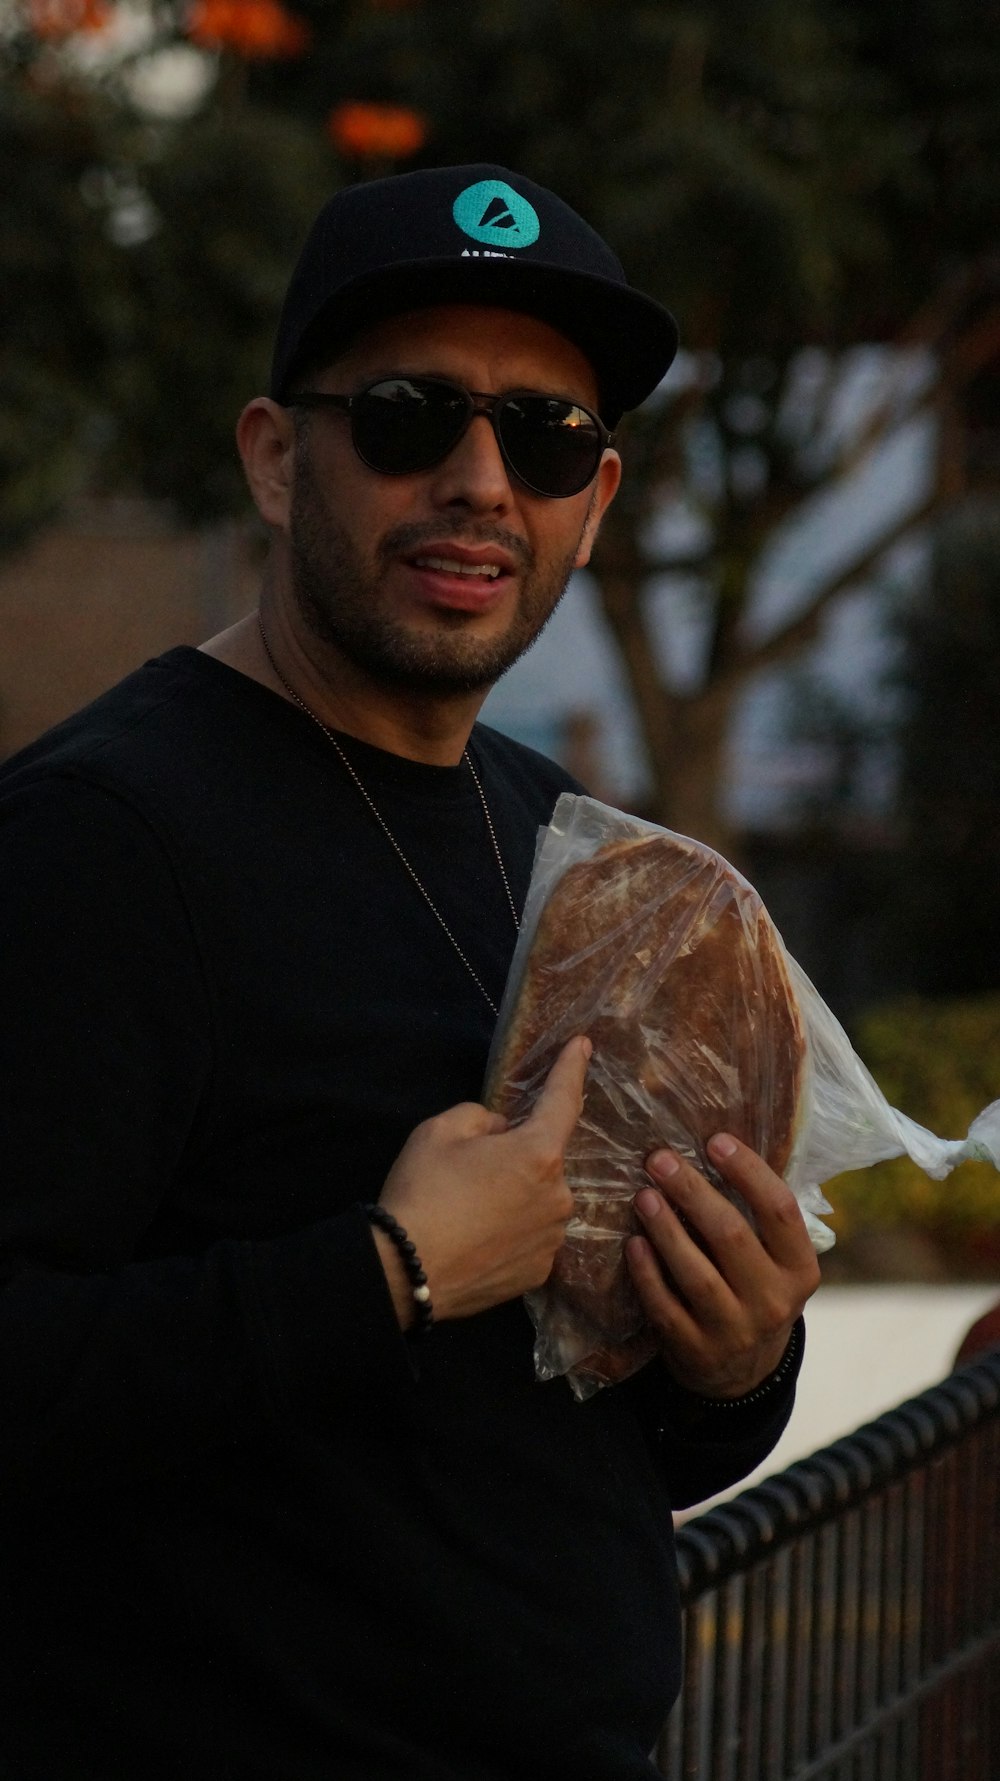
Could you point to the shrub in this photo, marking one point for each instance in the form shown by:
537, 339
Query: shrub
939, 1062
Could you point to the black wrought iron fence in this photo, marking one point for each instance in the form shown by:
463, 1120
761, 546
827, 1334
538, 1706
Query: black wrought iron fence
842, 1619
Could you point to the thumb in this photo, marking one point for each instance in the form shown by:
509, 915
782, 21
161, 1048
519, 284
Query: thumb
469, 1120
560, 1103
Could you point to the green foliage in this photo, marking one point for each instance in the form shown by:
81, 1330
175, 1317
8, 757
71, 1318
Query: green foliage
943, 62
938, 1062
232, 197
143, 267
59, 300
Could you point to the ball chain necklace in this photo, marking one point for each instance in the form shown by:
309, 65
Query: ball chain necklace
390, 837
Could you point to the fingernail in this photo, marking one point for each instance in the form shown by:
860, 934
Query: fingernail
588, 1049
722, 1145
648, 1202
664, 1163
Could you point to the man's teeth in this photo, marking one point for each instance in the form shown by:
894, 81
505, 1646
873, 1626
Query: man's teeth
450, 566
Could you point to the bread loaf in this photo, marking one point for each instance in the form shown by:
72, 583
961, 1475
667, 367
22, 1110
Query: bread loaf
667, 959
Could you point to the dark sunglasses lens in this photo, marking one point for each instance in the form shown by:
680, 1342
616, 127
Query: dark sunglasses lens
554, 447
408, 423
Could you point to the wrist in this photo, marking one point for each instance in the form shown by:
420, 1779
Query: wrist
696, 1405
395, 1278
402, 1267
772, 1367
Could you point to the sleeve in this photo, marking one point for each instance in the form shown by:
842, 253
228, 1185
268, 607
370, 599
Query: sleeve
112, 1365
704, 1445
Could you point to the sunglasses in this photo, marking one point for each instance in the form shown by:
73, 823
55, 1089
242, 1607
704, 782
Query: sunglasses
400, 425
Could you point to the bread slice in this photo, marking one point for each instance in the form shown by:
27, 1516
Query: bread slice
666, 957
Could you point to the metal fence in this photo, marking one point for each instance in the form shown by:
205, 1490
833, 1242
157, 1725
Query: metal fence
842, 1619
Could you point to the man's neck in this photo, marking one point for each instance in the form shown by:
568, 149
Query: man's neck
434, 730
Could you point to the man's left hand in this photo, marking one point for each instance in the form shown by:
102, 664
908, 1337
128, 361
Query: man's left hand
721, 1297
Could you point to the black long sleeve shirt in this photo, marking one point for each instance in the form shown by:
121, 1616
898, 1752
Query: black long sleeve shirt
249, 1530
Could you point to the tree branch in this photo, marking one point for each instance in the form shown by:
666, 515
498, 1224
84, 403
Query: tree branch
803, 629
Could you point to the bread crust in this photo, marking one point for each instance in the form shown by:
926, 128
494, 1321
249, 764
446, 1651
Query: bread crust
667, 959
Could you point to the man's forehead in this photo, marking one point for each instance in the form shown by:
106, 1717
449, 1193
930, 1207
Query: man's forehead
515, 346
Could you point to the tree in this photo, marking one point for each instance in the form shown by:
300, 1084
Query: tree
144, 261
757, 168
59, 300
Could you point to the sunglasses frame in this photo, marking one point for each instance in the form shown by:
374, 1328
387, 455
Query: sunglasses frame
477, 402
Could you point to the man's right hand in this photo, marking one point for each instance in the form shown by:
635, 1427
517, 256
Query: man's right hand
485, 1204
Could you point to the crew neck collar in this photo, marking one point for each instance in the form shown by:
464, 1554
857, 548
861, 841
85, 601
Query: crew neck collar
380, 765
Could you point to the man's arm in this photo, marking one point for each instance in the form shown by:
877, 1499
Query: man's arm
705, 1445
113, 1366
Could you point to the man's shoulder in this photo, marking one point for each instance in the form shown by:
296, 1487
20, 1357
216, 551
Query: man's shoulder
123, 737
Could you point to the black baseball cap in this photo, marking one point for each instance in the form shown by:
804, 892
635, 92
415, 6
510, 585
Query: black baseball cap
476, 234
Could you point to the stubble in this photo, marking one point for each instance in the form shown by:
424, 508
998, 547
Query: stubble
338, 591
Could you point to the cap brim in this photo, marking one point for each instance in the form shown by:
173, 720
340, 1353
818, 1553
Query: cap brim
629, 339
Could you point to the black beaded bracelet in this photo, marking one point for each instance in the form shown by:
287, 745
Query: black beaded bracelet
768, 1387
424, 1311
772, 1384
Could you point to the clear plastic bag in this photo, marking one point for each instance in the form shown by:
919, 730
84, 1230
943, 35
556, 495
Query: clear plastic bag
664, 954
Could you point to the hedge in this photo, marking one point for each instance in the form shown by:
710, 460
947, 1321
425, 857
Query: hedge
938, 1061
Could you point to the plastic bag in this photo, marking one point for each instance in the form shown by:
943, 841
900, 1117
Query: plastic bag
701, 1022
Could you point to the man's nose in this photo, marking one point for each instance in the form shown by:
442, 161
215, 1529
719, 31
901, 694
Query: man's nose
474, 473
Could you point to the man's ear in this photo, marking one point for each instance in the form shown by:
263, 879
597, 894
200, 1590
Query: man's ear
265, 437
605, 488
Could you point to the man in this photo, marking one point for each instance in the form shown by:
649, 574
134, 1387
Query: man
283, 1498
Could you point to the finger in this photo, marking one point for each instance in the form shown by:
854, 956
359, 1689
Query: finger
659, 1296
722, 1359
694, 1269
560, 1103
704, 1217
780, 1224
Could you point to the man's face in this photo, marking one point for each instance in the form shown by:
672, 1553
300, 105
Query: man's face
389, 570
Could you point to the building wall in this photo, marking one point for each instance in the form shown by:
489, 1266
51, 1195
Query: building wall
95, 595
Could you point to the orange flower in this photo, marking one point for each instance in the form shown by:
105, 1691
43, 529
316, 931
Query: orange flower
377, 132
61, 18
257, 29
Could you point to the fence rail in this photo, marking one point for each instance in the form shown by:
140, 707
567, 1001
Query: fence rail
842, 1619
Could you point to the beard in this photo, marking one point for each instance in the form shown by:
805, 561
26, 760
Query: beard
337, 590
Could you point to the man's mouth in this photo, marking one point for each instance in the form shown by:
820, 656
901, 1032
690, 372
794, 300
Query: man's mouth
461, 577
452, 566
446, 557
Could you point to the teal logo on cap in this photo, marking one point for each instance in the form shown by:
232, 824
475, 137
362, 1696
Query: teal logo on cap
493, 213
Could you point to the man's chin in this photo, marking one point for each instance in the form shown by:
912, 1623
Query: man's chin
450, 665
438, 673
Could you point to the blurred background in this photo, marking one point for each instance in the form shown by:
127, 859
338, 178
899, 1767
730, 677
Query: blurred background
789, 641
